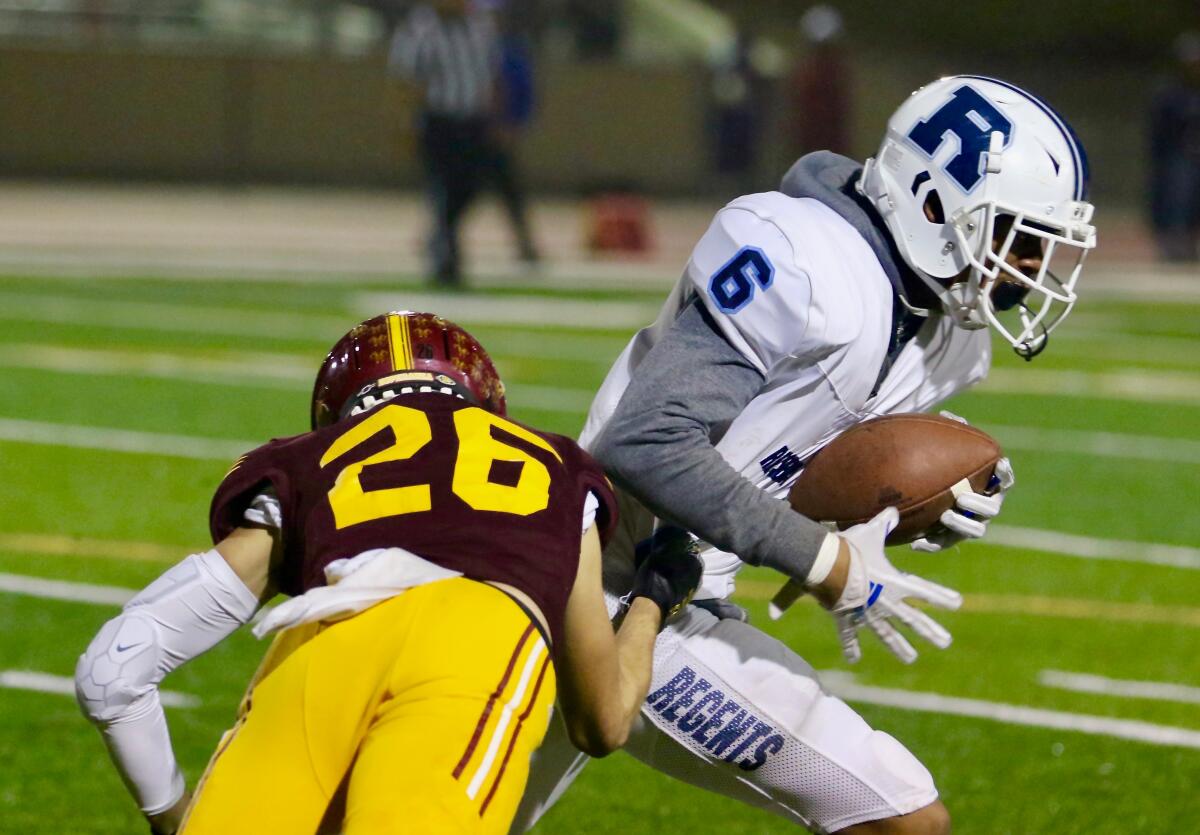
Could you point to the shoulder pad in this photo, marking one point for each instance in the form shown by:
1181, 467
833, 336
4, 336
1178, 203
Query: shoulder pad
782, 277
745, 273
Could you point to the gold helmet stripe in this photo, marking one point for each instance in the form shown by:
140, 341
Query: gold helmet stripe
398, 340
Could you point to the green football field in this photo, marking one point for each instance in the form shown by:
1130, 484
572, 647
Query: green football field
1069, 702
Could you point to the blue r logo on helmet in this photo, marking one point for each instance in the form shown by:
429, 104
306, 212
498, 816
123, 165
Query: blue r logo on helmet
972, 119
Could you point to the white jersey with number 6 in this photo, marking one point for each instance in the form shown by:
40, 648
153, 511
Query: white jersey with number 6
801, 295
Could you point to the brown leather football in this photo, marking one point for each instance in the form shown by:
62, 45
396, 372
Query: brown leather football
908, 461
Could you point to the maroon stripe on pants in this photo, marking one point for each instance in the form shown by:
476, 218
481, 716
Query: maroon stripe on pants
512, 742
491, 703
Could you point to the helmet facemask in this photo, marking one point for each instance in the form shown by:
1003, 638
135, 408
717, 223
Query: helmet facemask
1026, 300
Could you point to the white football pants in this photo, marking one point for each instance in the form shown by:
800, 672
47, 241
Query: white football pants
734, 711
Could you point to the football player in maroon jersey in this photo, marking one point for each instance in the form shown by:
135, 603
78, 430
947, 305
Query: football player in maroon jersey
444, 568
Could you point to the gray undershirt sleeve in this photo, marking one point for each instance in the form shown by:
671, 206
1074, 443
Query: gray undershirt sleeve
658, 446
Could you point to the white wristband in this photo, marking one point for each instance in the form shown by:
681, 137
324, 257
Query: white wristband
826, 557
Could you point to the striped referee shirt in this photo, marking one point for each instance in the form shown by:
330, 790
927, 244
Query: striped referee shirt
454, 58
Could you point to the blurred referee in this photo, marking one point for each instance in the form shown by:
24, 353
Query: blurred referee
450, 50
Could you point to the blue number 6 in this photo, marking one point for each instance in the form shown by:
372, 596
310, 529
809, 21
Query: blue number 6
732, 286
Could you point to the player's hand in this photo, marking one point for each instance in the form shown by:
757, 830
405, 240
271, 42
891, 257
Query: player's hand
723, 609
874, 593
668, 569
969, 517
972, 511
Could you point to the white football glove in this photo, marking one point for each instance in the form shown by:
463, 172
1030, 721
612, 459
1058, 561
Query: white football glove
969, 517
874, 595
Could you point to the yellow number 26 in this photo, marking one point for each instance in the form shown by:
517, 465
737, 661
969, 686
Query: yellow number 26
478, 450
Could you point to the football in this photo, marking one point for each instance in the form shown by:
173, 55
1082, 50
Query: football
916, 463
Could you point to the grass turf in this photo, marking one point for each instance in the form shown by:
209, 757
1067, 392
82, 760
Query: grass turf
996, 778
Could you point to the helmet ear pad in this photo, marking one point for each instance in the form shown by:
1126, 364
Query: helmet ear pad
398, 342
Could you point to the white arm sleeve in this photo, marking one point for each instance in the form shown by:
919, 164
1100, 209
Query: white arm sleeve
190, 608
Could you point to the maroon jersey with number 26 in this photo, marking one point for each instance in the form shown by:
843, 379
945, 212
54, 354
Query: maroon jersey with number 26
450, 482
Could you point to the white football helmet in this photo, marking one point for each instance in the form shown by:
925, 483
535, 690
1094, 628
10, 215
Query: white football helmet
974, 171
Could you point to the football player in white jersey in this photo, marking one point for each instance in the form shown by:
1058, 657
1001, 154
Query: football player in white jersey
853, 291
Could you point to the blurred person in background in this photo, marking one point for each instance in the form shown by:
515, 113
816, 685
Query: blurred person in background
739, 106
819, 87
597, 26
515, 104
1175, 156
450, 50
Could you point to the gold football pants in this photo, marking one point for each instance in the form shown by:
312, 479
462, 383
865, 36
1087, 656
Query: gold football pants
428, 706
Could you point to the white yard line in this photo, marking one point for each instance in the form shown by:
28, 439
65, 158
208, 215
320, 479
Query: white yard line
78, 592
162, 317
1129, 384
64, 590
61, 545
1101, 685
189, 317
1101, 444
844, 686
575, 401
185, 317
291, 371
522, 395
316, 269
747, 589
122, 440
839, 683
172, 317
45, 683
282, 369
232, 368
1121, 347
527, 310
538, 311
252, 370
1141, 282
1081, 609
1092, 548
274, 371
531, 344
286, 371
1071, 608
1118, 332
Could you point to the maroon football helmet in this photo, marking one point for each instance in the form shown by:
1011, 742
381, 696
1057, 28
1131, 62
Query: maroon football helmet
398, 342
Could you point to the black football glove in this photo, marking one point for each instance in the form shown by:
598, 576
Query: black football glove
668, 569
